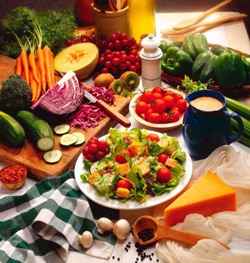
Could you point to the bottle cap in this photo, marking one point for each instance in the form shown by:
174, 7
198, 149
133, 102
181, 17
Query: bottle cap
151, 48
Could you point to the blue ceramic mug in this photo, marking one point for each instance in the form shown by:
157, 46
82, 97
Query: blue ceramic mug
204, 131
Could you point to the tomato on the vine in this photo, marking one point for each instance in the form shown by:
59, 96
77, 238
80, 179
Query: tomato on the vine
174, 115
181, 104
164, 117
153, 137
164, 175
178, 97
146, 97
159, 106
169, 92
147, 113
154, 117
156, 95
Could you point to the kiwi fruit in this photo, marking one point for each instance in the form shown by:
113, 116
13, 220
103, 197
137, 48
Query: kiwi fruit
127, 94
117, 86
103, 80
130, 79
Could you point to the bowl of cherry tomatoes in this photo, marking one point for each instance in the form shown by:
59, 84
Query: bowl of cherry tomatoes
159, 108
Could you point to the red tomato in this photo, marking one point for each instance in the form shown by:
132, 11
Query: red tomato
156, 95
146, 97
102, 145
123, 184
121, 159
164, 117
99, 155
93, 140
159, 106
154, 117
153, 137
157, 89
169, 92
181, 104
169, 101
147, 113
163, 175
141, 107
174, 116
162, 158
93, 148
175, 109
178, 97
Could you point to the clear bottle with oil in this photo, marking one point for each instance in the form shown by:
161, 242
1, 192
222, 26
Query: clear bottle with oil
141, 18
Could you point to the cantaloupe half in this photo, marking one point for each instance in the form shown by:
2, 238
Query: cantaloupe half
80, 58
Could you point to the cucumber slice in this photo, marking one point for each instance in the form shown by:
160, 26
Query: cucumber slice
45, 144
53, 156
61, 129
68, 139
80, 138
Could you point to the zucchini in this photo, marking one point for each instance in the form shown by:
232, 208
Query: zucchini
80, 138
53, 156
62, 129
39, 130
68, 139
11, 130
238, 107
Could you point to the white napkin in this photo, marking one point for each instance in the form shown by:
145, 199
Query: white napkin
234, 169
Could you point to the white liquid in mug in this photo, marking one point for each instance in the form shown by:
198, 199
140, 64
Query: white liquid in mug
207, 104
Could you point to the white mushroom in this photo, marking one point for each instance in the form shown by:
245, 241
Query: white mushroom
86, 239
121, 229
104, 224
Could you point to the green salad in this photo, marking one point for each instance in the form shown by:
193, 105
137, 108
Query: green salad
139, 165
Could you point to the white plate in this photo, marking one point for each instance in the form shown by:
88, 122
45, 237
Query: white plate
91, 192
159, 126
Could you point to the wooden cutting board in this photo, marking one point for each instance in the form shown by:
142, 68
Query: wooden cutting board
31, 158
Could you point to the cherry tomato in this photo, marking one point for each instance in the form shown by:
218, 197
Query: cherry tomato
102, 145
159, 106
147, 113
164, 117
169, 92
178, 97
141, 107
99, 155
156, 95
153, 137
121, 159
154, 117
169, 101
157, 89
163, 175
181, 104
93, 140
162, 158
123, 184
146, 97
93, 148
174, 116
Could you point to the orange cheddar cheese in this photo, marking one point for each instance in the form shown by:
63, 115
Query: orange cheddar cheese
209, 195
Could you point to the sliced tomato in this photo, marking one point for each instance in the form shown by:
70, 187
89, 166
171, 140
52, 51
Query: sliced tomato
153, 137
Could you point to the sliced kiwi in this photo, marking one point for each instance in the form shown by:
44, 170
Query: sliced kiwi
130, 79
117, 86
127, 94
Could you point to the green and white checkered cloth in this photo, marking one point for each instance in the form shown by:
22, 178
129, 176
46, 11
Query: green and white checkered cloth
44, 223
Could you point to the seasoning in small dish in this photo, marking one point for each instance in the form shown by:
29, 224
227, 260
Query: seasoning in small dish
12, 177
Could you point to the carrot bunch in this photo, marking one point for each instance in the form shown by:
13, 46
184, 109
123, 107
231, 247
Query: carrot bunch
36, 66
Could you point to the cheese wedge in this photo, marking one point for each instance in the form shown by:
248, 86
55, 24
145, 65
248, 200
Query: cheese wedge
209, 195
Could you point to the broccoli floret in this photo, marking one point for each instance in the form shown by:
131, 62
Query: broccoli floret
15, 94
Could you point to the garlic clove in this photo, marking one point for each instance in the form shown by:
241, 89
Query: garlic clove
86, 239
121, 229
104, 224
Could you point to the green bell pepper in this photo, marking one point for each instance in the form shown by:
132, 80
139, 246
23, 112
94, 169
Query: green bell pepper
203, 67
176, 62
167, 44
246, 62
195, 44
218, 49
229, 70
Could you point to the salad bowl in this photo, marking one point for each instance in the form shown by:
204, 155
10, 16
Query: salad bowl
91, 192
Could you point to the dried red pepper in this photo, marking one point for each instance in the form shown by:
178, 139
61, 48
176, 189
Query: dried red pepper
12, 174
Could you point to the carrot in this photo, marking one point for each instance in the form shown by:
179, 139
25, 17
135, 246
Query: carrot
52, 67
18, 66
46, 55
39, 84
40, 57
32, 63
33, 86
25, 63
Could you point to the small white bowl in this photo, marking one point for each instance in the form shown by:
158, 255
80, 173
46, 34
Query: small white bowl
160, 126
